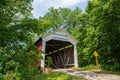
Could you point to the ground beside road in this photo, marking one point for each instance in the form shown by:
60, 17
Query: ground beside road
89, 75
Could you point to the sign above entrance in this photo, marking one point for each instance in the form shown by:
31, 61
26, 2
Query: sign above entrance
61, 35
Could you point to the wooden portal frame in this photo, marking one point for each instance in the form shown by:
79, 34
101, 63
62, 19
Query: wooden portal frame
54, 41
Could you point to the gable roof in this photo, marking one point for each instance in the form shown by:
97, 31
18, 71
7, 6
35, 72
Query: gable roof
61, 29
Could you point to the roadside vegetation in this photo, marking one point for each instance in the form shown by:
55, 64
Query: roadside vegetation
56, 76
99, 69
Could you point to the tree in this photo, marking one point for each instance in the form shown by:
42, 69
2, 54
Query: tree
17, 36
100, 33
105, 17
85, 35
12, 10
62, 18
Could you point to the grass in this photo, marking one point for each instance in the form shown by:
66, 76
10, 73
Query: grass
98, 69
104, 71
57, 76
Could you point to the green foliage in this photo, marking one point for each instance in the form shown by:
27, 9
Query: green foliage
48, 62
23, 72
9, 76
13, 10
115, 67
20, 49
89, 67
57, 76
1, 76
61, 18
99, 31
105, 18
84, 34
18, 33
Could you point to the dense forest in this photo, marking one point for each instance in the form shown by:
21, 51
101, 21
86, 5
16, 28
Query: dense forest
96, 29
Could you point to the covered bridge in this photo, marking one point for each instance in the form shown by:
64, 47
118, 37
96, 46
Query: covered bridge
61, 47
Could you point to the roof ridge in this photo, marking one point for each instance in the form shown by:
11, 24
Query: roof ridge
60, 30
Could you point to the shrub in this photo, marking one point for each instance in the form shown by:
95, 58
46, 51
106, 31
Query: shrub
89, 67
49, 62
115, 67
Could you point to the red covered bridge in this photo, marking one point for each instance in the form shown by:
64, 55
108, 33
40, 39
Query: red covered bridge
61, 47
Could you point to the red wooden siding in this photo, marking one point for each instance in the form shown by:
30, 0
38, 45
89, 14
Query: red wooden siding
40, 45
